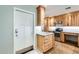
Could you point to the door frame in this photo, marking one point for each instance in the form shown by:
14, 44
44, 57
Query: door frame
14, 27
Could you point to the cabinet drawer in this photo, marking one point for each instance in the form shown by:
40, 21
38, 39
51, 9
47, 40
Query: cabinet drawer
48, 39
47, 47
45, 43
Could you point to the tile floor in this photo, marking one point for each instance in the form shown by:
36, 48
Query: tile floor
60, 48
33, 52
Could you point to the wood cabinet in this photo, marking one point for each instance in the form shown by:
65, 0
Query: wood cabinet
75, 19
45, 43
48, 21
52, 21
60, 20
46, 24
78, 39
40, 15
62, 37
72, 19
68, 19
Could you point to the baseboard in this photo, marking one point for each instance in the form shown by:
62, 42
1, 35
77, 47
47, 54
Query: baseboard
25, 50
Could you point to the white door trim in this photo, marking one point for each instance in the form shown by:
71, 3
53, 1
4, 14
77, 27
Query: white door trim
33, 21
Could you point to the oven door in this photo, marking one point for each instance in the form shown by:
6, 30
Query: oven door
57, 36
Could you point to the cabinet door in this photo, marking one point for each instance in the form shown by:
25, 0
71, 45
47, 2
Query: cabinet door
68, 20
47, 43
51, 21
77, 19
40, 42
59, 20
62, 37
73, 19
46, 24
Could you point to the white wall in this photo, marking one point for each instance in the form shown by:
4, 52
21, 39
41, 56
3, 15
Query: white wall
6, 27
38, 29
66, 29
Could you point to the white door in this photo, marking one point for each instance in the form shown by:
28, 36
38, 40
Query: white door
24, 29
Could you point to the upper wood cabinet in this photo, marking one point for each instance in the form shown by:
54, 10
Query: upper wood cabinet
75, 19
46, 24
72, 19
51, 21
69, 19
60, 20
48, 21
40, 15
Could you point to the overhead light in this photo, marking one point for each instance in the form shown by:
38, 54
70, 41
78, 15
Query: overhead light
68, 8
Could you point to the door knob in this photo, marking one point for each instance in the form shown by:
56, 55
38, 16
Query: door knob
16, 32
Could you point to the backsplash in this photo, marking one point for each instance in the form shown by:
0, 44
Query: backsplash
38, 29
66, 29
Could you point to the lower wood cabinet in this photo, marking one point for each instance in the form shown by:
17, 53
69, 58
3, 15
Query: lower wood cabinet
78, 39
62, 37
45, 43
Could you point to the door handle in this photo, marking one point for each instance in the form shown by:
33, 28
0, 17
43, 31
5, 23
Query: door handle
16, 32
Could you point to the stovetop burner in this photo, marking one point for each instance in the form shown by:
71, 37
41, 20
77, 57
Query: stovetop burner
59, 30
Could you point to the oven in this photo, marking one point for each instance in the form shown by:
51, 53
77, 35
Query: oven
57, 33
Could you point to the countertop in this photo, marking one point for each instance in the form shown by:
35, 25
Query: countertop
70, 31
44, 33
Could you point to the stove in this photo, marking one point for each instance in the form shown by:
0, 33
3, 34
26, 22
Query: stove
57, 33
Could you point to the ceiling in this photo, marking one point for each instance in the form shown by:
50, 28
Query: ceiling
53, 10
